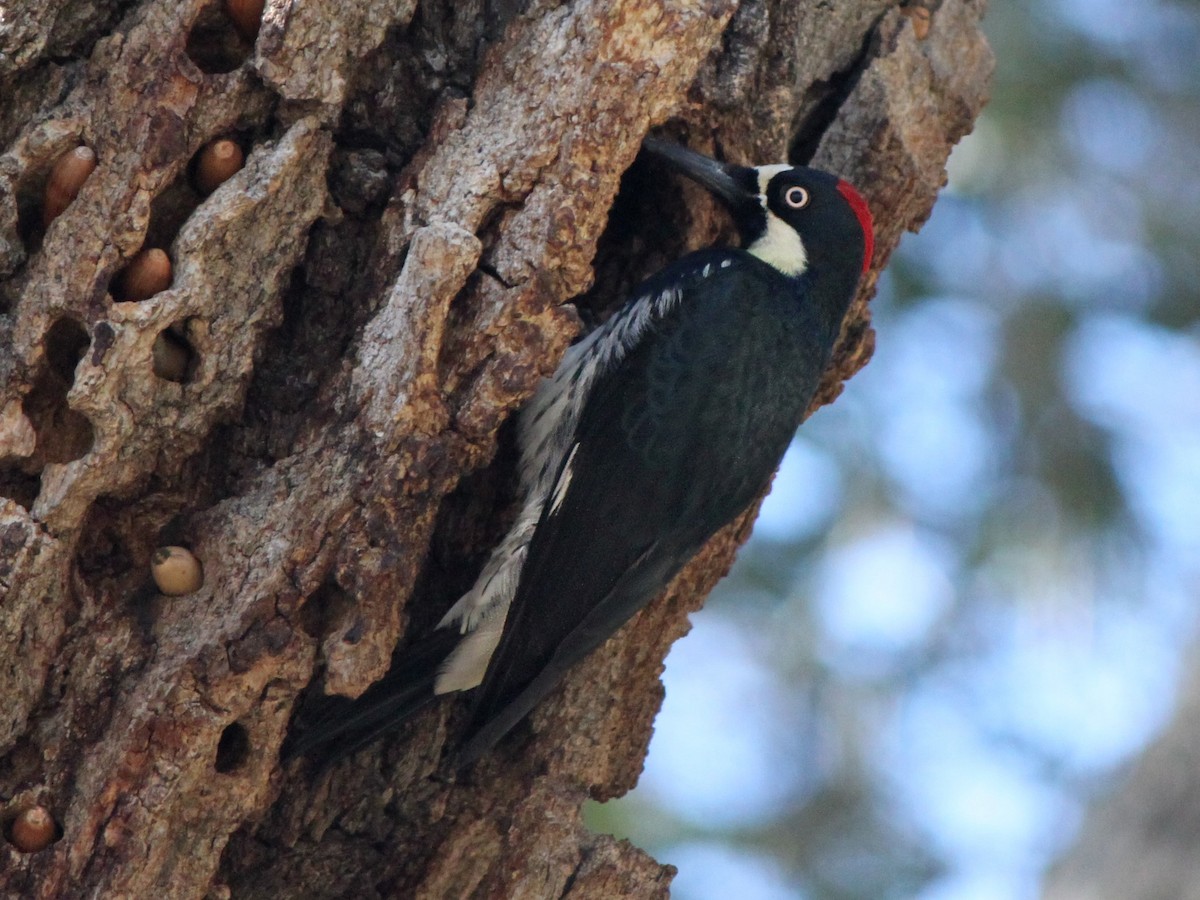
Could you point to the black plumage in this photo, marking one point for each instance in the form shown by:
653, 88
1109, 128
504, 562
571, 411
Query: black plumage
671, 445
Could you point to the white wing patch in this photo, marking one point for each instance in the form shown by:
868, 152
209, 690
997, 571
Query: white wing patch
546, 431
564, 482
547, 424
465, 667
498, 580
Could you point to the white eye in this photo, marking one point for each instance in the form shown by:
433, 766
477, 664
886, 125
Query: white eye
796, 197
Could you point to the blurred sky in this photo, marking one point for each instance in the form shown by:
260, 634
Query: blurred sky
971, 594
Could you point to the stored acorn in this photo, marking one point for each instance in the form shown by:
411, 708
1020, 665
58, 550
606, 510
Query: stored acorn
67, 176
246, 16
147, 273
216, 163
921, 18
170, 357
176, 571
32, 830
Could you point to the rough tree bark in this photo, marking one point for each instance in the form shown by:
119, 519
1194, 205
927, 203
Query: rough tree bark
429, 194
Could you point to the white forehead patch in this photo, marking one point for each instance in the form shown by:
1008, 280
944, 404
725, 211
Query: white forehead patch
780, 246
765, 174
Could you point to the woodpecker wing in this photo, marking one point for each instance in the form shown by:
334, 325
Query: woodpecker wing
672, 443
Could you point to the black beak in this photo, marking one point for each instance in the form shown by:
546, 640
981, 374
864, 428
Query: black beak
737, 186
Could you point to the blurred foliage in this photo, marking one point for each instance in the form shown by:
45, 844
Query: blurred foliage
970, 591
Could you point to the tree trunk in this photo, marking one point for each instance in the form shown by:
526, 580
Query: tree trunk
314, 406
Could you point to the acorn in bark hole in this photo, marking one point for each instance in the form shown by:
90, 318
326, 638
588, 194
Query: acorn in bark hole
170, 357
921, 19
216, 163
32, 830
176, 571
66, 178
147, 273
246, 16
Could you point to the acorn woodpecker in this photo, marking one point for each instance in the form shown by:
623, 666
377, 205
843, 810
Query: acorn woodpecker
657, 429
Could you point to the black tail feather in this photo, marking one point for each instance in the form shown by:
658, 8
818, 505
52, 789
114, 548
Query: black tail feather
329, 728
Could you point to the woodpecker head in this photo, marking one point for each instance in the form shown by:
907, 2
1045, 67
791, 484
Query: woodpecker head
792, 217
